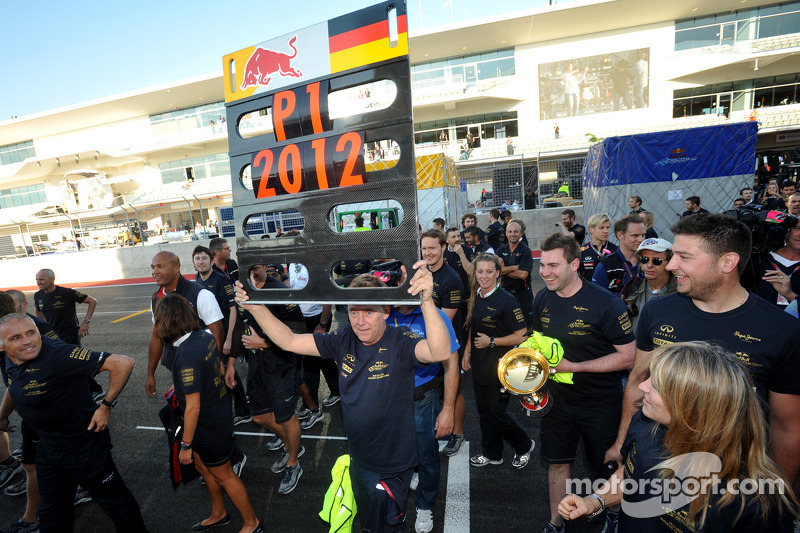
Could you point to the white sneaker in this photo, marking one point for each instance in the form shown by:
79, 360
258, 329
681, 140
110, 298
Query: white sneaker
424, 523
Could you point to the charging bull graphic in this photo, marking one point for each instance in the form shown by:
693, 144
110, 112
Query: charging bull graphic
264, 62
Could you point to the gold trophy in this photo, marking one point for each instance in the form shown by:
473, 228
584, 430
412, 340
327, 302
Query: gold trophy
524, 371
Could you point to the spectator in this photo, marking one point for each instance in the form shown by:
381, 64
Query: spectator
793, 205
617, 269
593, 328
517, 263
710, 254
787, 189
777, 269
563, 190
529, 201
747, 194
495, 233
556, 131
770, 195
192, 356
598, 247
738, 203
693, 206
438, 223
654, 254
495, 325
635, 203
570, 227
691, 385
649, 219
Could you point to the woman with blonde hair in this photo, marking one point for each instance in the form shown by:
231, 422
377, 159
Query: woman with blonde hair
702, 429
496, 324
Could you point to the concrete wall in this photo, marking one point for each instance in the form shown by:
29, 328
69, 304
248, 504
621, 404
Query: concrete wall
95, 267
132, 264
540, 223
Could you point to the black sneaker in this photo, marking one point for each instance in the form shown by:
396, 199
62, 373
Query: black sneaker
290, 478
275, 443
303, 413
22, 526
17, 489
10, 470
315, 416
453, 445
280, 465
330, 400
82, 496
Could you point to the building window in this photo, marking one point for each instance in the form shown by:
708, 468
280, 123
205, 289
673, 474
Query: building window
720, 98
465, 70
210, 166
21, 196
16, 153
189, 119
489, 126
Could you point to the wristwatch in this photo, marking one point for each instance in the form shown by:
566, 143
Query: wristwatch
491, 343
186, 445
323, 324
86, 320
109, 404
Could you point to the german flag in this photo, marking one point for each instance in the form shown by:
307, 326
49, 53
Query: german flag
362, 38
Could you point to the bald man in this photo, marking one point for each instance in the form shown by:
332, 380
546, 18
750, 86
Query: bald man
166, 271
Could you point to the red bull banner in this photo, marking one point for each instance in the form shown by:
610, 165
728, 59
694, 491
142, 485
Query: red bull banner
340, 44
305, 114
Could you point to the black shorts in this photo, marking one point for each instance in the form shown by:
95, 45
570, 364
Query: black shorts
272, 391
561, 429
216, 454
30, 441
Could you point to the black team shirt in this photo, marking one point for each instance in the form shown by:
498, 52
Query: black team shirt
58, 308
51, 393
194, 364
497, 315
222, 289
520, 256
377, 391
588, 324
762, 336
447, 292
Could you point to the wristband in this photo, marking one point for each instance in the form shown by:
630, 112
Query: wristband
323, 324
109, 404
602, 504
186, 445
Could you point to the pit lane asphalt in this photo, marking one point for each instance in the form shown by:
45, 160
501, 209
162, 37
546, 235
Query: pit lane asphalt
488, 499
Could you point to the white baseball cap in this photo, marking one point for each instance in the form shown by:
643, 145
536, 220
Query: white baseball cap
656, 245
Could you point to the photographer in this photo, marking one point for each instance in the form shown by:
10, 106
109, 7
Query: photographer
777, 271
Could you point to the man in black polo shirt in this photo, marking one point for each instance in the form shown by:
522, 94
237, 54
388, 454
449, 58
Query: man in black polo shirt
710, 252
56, 305
448, 294
166, 269
495, 233
517, 265
222, 289
472, 236
572, 228
49, 389
376, 375
470, 220
596, 334
222, 258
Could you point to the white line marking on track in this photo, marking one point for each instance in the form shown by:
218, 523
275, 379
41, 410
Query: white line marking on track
254, 434
456, 510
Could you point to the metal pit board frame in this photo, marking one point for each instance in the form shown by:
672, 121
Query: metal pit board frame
293, 76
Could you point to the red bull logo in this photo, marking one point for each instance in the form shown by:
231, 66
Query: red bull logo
263, 63
678, 152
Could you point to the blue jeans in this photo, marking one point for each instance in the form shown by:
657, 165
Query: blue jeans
425, 412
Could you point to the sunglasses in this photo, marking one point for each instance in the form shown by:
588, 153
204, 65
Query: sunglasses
657, 261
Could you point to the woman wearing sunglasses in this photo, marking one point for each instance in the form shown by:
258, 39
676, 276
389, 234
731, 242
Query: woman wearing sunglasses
653, 254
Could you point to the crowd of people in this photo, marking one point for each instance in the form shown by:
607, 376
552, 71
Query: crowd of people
635, 320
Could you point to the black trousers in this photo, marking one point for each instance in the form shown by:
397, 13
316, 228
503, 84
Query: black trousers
313, 365
61, 471
496, 424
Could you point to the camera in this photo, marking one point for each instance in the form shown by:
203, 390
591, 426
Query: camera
768, 227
